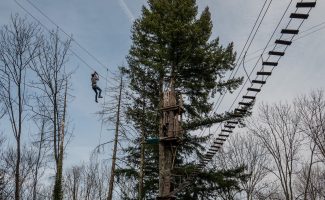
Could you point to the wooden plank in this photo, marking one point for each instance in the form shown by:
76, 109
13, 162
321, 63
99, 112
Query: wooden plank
254, 89
284, 42
214, 149
270, 63
299, 16
289, 31
248, 97
276, 53
258, 81
227, 131
264, 73
232, 122
240, 110
221, 139
306, 4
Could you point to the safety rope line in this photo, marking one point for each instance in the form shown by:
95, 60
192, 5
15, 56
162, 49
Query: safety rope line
221, 138
211, 151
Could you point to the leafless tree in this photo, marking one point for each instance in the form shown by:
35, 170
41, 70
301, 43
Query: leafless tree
244, 150
87, 182
41, 146
310, 183
73, 182
53, 85
2, 171
312, 111
19, 44
277, 127
26, 171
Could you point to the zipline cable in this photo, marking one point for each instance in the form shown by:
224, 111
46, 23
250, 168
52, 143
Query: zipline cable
45, 27
61, 29
260, 57
239, 60
292, 37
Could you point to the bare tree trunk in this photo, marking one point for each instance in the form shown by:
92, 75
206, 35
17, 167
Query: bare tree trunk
19, 44
117, 125
53, 83
2, 186
309, 171
278, 130
38, 160
58, 192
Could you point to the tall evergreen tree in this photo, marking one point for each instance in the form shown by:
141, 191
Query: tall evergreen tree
172, 45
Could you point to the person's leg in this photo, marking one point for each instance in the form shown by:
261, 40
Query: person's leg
94, 88
100, 92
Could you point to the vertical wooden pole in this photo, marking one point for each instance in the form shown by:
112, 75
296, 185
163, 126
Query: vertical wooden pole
117, 125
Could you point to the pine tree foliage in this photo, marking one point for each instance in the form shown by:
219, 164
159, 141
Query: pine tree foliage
172, 44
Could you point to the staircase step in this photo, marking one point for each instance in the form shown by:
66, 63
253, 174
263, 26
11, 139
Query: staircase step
245, 103
223, 135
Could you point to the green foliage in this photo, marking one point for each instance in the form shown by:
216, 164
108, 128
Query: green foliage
173, 44
211, 184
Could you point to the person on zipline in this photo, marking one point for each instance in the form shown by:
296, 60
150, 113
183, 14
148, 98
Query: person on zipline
94, 79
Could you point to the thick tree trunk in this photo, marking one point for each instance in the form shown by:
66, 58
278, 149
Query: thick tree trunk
18, 142
17, 172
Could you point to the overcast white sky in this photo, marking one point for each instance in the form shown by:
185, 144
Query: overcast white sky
103, 28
